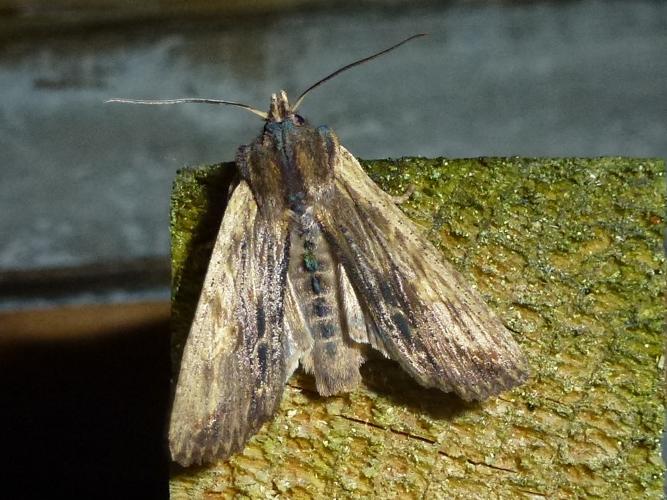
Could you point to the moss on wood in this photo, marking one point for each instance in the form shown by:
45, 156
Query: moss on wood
569, 253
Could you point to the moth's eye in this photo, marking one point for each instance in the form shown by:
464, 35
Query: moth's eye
298, 119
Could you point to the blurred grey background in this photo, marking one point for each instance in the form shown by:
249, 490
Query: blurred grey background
86, 183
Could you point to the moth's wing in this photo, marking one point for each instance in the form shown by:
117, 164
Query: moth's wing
233, 367
418, 309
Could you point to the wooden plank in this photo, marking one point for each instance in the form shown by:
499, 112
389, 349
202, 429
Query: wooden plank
569, 253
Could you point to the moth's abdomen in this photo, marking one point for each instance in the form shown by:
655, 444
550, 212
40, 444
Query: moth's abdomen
334, 359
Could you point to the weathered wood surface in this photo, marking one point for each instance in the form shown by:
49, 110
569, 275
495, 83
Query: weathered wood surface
569, 253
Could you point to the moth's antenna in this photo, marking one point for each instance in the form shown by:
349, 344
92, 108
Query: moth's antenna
351, 65
263, 114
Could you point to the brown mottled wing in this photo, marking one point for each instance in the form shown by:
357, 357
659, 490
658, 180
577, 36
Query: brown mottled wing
418, 309
233, 367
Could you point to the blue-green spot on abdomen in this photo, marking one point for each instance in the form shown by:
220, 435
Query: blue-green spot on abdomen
316, 284
321, 308
310, 261
327, 330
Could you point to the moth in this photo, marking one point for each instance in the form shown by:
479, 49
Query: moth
313, 265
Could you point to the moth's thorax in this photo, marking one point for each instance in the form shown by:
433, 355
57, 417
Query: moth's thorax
290, 160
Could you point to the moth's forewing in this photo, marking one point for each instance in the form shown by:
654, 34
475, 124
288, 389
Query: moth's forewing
420, 310
233, 368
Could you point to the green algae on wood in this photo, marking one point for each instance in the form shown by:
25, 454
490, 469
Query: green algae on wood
569, 253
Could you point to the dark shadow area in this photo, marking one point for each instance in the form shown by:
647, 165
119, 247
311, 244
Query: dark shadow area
388, 378
86, 418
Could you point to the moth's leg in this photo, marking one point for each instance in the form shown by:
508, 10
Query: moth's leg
402, 198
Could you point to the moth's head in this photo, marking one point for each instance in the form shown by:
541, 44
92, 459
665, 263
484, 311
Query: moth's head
280, 110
